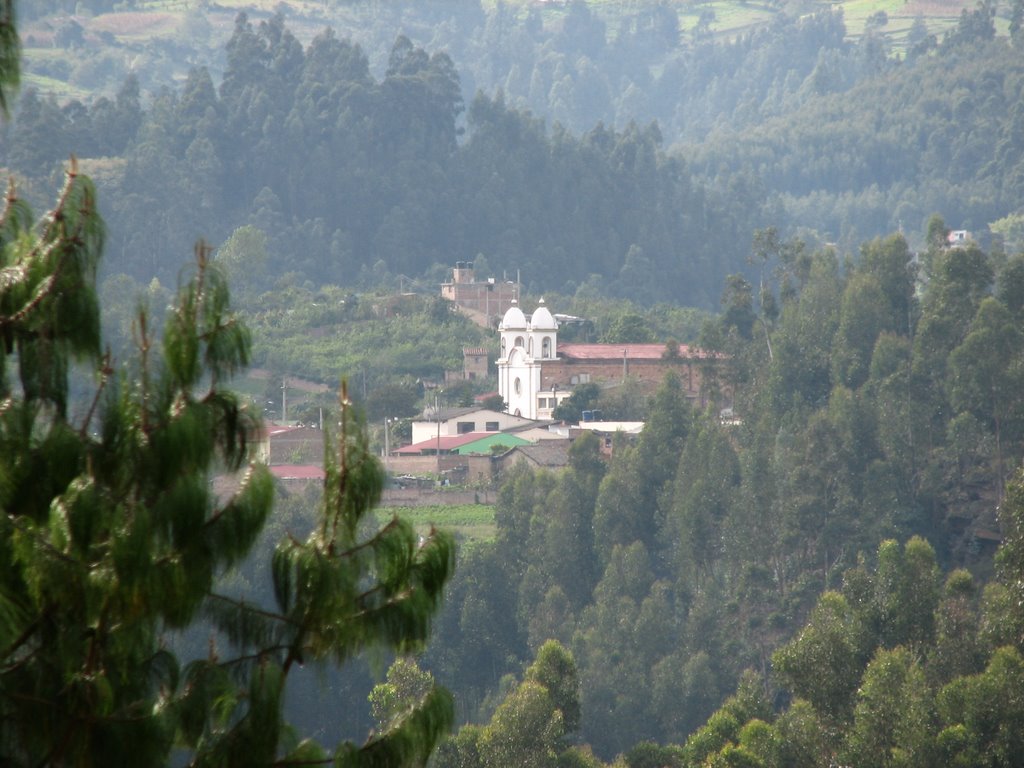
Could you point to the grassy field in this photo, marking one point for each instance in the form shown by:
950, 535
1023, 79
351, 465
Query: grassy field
469, 522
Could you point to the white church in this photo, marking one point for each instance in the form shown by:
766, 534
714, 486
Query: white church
525, 345
535, 373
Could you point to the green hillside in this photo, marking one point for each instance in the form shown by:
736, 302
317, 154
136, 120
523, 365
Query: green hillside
202, 27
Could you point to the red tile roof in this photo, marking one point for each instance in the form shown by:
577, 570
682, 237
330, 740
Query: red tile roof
446, 443
630, 351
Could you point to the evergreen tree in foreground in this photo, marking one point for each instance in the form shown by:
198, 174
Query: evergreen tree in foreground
111, 535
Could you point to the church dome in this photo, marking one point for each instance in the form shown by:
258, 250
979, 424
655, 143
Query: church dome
514, 319
542, 319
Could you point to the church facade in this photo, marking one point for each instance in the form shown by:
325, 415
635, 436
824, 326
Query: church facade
536, 373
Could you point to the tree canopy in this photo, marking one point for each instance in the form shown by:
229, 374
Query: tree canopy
113, 541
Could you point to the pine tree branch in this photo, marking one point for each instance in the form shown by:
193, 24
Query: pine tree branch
42, 540
143, 344
246, 607
261, 654
354, 550
105, 372
21, 640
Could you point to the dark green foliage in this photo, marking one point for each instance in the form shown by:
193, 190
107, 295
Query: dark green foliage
958, 648
894, 720
647, 754
405, 689
983, 714
1010, 563
555, 669
706, 480
529, 726
823, 664
352, 172
713, 539
112, 536
9, 55
584, 397
892, 709
738, 307
724, 726
389, 342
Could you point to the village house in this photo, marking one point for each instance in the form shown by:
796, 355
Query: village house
461, 421
293, 454
480, 300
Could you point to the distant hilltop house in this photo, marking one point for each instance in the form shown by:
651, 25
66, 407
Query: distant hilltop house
474, 363
293, 454
958, 237
536, 373
481, 300
475, 366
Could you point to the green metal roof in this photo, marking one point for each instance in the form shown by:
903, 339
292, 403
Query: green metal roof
483, 445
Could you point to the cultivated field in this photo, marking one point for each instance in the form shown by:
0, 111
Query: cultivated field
469, 522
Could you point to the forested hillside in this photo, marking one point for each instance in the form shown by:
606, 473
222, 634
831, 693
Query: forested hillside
362, 165
880, 404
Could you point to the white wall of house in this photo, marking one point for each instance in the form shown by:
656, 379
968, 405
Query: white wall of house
482, 420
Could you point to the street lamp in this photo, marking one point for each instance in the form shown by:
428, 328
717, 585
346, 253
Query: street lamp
284, 399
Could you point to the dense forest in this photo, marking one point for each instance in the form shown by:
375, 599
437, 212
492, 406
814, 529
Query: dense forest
882, 403
360, 165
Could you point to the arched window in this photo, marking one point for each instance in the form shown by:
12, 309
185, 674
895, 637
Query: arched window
546, 347
518, 386
529, 347
502, 346
520, 342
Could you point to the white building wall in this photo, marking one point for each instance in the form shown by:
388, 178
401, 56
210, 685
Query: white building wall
519, 383
523, 350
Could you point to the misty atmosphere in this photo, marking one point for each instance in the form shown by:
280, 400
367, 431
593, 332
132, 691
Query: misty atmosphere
486, 383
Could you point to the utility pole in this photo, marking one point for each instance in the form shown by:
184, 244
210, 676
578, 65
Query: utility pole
437, 417
284, 400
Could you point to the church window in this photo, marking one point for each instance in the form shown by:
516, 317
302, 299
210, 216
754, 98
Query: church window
518, 386
519, 342
546, 347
